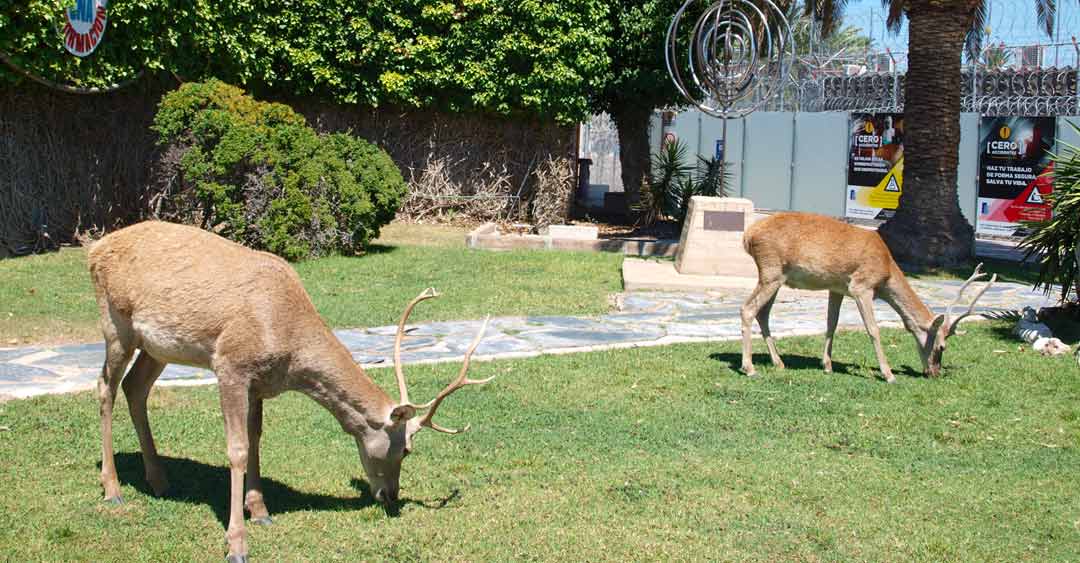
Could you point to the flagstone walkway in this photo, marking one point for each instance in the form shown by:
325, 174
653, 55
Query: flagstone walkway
638, 319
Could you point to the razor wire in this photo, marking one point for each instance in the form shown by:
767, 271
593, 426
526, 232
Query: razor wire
1043, 91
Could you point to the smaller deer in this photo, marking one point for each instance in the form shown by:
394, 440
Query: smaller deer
178, 294
808, 251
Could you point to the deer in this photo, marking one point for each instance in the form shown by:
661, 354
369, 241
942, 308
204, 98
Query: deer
815, 252
179, 294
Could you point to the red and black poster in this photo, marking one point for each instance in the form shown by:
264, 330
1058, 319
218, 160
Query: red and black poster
1014, 173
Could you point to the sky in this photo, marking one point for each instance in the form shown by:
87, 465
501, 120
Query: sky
1011, 21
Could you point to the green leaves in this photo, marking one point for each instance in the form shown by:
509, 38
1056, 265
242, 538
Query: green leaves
533, 58
256, 173
674, 182
1056, 239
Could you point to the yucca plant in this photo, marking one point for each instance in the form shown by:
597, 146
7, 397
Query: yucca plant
710, 178
669, 173
1056, 239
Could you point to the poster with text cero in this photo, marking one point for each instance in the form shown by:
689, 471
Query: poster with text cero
875, 165
1014, 173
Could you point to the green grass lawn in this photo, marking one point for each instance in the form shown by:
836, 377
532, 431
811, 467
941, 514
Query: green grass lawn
48, 298
659, 454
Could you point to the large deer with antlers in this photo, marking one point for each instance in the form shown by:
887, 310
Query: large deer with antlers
183, 295
807, 251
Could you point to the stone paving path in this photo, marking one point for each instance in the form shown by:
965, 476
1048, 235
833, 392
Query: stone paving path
638, 319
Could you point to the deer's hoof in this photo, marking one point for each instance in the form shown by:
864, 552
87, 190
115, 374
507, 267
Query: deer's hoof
236, 559
159, 485
262, 521
114, 501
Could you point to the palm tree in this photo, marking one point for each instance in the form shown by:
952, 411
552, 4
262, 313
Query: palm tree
928, 228
996, 57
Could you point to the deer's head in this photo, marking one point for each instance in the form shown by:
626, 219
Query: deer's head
385, 444
932, 344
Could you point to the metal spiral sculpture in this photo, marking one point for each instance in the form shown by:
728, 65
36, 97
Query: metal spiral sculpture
738, 56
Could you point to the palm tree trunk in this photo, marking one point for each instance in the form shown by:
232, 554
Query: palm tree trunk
632, 122
928, 229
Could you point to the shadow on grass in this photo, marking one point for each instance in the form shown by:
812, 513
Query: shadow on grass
199, 483
802, 363
381, 249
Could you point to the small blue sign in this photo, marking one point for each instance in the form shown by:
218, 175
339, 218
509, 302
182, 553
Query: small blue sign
720, 149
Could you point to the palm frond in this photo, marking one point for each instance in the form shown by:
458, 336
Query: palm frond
1045, 12
829, 12
896, 14
973, 40
1055, 240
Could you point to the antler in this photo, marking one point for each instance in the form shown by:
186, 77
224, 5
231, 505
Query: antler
403, 390
461, 381
978, 273
458, 383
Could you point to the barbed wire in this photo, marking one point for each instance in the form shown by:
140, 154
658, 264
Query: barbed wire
1008, 21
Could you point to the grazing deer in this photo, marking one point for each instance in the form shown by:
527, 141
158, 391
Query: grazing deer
807, 251
183, 295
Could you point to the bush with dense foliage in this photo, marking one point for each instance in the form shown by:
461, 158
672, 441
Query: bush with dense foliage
258, 174
531, 58
1056, 239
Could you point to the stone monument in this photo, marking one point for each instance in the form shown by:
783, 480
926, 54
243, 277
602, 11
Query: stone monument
711, 240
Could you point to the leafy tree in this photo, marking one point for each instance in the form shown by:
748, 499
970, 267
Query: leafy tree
928, 228
636, 81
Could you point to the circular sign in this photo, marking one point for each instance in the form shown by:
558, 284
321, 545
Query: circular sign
85, 26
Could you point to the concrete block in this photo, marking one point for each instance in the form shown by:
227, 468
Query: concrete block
572, 232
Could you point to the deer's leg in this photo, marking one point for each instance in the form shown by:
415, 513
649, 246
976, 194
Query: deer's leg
137, 383
763, 322
253, 500
764, 292
865, 301
234, 407
835, 300
117, 355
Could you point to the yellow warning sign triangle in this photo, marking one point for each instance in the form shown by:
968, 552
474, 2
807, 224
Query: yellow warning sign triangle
886, 194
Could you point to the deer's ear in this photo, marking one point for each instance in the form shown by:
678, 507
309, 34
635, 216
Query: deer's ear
936, 325
401, 413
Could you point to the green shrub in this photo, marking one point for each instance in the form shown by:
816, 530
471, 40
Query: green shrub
1056, 239
256, 173
673, 182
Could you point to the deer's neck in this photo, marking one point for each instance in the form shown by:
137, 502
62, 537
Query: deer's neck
337, 383
916, 316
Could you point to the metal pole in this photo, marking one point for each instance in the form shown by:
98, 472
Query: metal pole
723, 143
1057, 31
